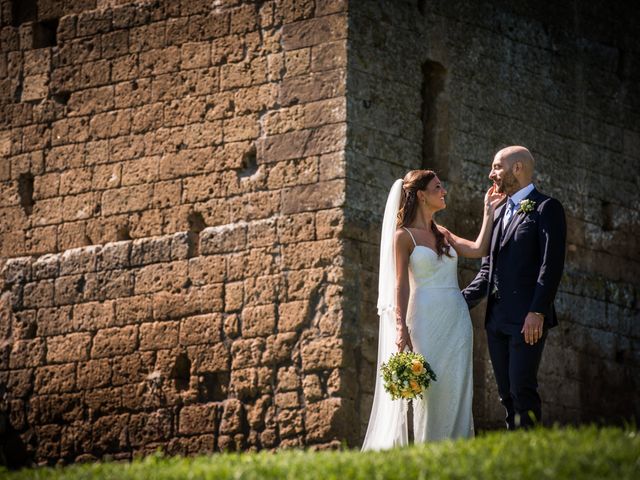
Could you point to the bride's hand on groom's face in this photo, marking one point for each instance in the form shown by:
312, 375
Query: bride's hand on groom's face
492, 198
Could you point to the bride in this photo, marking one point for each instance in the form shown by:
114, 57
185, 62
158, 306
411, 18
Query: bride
419, 297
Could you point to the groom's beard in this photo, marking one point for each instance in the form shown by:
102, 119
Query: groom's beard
509, 184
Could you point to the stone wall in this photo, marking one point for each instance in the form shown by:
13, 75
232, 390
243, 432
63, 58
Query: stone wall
171, 177
191, 192
444, 85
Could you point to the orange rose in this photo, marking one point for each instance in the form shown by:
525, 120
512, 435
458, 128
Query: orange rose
417, 368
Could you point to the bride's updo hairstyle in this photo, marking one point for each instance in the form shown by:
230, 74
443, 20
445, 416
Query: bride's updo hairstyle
412, 182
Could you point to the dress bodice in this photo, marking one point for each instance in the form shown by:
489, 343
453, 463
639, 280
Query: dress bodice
426, 270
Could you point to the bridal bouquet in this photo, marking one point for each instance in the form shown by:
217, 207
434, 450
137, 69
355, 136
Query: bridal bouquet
407, 375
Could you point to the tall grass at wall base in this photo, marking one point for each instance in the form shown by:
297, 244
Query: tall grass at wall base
554, 454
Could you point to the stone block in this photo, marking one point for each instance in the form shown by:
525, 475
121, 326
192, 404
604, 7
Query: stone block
131, 369
201, 418
323, 353
126, 199
151, 250
35, 87
258, 321
286, 146
54, 321
46, 186
256, 412
114, 255
115, 341
296, 228
93, 374
254, 206
17, 270
27, 353
320, 253
223, 239
205, 270
244, 383
327, 419
92, 316
133, 310
103, 401
290, 422
329, 223
79, 260
233, 296
296, 62
280, 348
233, 417
55, 379
247, 353
258, 261
319, 196
293, 315
44, 409
161, 277
145, 428
287, 400
68, 348
195, 55
197, 300
209, 358
157, 335
201, 329
312, 87
231, 326
312, 388
314, 31
38, 294
240, 128
288, 379
109, 284
243, 74
293, 172
110, 433
262, 290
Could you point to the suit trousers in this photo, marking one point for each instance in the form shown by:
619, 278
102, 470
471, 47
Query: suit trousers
515, 365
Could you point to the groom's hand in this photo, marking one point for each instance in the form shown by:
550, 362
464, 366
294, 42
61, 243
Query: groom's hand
532, 328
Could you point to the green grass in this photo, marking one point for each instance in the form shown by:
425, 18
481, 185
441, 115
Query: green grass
587, 452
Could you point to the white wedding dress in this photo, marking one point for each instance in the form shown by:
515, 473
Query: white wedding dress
440, 329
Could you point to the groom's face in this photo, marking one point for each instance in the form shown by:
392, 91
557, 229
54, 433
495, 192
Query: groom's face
502, 175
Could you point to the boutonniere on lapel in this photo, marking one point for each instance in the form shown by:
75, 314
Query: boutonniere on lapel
526, 206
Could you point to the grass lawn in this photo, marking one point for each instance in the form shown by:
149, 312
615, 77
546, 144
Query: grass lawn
557, 453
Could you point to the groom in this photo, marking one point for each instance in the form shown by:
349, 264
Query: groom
520, 276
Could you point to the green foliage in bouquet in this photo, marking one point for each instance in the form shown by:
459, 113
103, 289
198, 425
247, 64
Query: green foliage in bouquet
407, 375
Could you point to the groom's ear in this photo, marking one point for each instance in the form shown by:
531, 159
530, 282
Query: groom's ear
517, 166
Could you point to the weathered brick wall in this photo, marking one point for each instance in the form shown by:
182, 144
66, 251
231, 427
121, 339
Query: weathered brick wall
191, 194
171, 177
444, 85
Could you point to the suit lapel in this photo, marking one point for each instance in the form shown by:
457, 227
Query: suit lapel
497, 228
513, 224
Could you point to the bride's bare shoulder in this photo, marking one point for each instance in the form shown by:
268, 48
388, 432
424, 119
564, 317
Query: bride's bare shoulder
402, 237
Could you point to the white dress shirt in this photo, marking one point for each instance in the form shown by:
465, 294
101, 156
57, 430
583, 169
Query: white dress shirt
517, 197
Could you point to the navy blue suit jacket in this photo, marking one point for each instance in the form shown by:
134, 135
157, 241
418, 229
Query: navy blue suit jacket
525, 262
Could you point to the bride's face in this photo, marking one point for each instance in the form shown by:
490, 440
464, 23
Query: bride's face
433, 195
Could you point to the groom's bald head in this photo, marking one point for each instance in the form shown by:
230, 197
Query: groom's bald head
521, 156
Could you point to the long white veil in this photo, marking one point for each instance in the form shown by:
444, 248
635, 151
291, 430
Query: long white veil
388, 421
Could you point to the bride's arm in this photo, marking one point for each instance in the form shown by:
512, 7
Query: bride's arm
479, 247
402, 251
